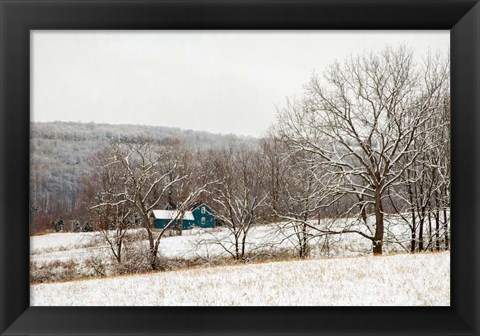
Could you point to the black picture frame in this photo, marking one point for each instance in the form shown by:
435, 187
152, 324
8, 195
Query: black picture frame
18, 17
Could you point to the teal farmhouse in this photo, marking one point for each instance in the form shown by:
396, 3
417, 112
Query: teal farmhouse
199, 215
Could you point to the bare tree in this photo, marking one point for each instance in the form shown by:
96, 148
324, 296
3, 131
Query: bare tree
426, 195
148, 172
116, 220
274, 157
238, 197
361, 121
299, 201
102, 194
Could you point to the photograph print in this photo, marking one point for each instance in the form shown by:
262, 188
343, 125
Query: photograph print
240, 168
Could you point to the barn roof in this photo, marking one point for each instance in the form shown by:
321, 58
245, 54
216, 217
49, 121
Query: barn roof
171, 214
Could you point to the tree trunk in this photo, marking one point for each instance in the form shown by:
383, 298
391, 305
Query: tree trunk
430, 235
153, 258
119, 251
437, 222
414, 239
237, 248
420, 233
153, 248
378, 238
413, 225
180, 227
244, 238
305, 251
447, 247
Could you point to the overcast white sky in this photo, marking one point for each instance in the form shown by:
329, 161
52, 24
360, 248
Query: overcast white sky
217, 81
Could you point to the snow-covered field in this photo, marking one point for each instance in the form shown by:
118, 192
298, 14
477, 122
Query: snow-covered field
201, 243
341, 270
400, 280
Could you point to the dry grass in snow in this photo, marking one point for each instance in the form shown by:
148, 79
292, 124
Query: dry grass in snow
400, 280
203, 243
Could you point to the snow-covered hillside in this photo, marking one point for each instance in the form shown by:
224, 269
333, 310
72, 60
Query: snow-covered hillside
400, 280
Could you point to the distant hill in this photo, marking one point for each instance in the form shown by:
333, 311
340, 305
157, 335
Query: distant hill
60, 151
74, 132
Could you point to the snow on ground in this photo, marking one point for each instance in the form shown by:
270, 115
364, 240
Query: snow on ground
82, 246
397, 280
60, 241
66, 246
